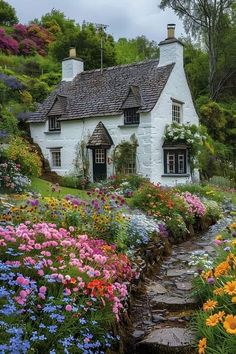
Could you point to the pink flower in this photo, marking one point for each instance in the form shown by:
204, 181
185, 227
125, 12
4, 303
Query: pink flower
22, 281
42, 289
40, 272
68, 308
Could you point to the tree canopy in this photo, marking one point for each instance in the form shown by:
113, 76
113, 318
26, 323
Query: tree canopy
7, 14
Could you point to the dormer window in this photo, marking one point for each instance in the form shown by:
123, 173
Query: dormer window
131, 116
54, 124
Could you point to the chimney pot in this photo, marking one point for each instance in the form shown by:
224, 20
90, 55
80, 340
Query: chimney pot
170, 30
72, 52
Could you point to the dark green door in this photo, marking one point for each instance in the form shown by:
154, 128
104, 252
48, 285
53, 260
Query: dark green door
99, 164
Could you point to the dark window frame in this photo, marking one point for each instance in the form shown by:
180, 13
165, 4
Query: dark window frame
55, 157
54, 124
131, 116
177, 154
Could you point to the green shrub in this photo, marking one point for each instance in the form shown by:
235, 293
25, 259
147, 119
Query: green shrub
21, 152
213, 209
78, 182
221, 181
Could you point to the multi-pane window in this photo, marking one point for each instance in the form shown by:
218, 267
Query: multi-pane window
176, 113
100, 156
131, 116
130, 168
175, 161
56, 157
54, 123
170, 162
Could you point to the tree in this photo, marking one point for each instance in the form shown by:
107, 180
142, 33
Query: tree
209, 19
133, 50
7, 14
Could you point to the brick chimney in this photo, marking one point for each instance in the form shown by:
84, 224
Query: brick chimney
171, 49
71, 66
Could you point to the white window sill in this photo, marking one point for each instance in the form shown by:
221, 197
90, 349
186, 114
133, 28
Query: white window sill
176, 175
128, 126
53, 132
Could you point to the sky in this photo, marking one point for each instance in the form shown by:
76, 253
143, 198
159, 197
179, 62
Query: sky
125, 18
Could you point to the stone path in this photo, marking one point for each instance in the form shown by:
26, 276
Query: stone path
162, 313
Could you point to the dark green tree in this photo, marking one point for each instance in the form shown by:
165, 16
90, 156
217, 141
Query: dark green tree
7, 14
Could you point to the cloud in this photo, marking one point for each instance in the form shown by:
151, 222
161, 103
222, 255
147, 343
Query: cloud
126, 18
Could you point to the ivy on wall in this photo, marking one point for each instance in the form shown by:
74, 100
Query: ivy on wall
125, 154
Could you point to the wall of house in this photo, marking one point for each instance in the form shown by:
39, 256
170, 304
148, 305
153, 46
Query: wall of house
176, 87
73, 132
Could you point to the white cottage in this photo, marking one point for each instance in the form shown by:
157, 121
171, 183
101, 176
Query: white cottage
104, 108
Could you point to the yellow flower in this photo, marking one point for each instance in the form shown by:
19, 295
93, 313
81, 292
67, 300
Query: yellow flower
233, 226
208, 274
218, 237
230, 288
220, 315
212, 320
201, 346
209, 305
230, 324
233, 299
222, 269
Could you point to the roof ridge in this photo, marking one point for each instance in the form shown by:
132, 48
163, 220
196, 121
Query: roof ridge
120, 66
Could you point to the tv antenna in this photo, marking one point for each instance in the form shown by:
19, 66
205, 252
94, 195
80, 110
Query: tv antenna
100, 28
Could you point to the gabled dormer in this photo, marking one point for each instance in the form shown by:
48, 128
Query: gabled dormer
131, 105
55, 113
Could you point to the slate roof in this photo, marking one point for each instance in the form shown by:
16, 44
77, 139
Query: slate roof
100, 137
96, 94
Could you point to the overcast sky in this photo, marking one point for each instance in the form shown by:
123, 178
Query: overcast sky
126, 18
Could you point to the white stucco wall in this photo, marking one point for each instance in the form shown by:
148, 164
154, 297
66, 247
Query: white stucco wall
72, 132
176, 88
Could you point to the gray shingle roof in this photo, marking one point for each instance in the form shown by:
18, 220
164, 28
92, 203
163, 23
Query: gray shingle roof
100, 137
96, 94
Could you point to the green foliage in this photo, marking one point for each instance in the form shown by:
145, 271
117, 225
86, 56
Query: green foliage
133, 50
125, 154
8, 122
7, 14
71, 181
20, 151
39, 90
212, 115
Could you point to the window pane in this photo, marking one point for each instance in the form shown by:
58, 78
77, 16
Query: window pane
100, 156
170, 162
54, 123
56, 158
181, 163
131, 116
176, 113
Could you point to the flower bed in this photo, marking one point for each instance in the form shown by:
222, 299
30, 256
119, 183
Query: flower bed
11, 178
59, 291
216, 287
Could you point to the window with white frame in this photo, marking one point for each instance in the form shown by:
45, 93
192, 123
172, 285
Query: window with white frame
56, 157
175, 161
100, 156
176, 112
54, 124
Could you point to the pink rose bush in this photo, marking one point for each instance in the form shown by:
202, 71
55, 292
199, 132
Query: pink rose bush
58, 290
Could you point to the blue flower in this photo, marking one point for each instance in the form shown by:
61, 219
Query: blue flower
82, 320
52, 329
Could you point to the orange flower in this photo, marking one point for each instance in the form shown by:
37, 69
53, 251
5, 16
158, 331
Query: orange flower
208, 274
233, 299
220, 315
222, 269
230, 288
230, 324
73, 280
212, 320
201, 346
209, 305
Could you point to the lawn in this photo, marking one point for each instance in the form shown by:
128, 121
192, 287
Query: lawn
45, 189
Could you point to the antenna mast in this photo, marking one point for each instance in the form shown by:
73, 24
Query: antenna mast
100, 28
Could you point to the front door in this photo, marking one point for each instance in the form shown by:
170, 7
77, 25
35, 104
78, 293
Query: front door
99, 164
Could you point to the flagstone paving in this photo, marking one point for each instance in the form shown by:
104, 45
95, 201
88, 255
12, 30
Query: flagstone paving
163, 311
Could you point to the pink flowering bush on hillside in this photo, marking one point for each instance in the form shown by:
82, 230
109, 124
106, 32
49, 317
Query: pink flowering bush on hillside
59, 291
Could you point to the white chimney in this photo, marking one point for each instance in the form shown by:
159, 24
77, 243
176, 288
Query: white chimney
71, 66
171, 49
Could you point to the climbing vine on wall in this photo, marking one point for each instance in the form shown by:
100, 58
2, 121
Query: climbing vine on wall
125, 155
81, 161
